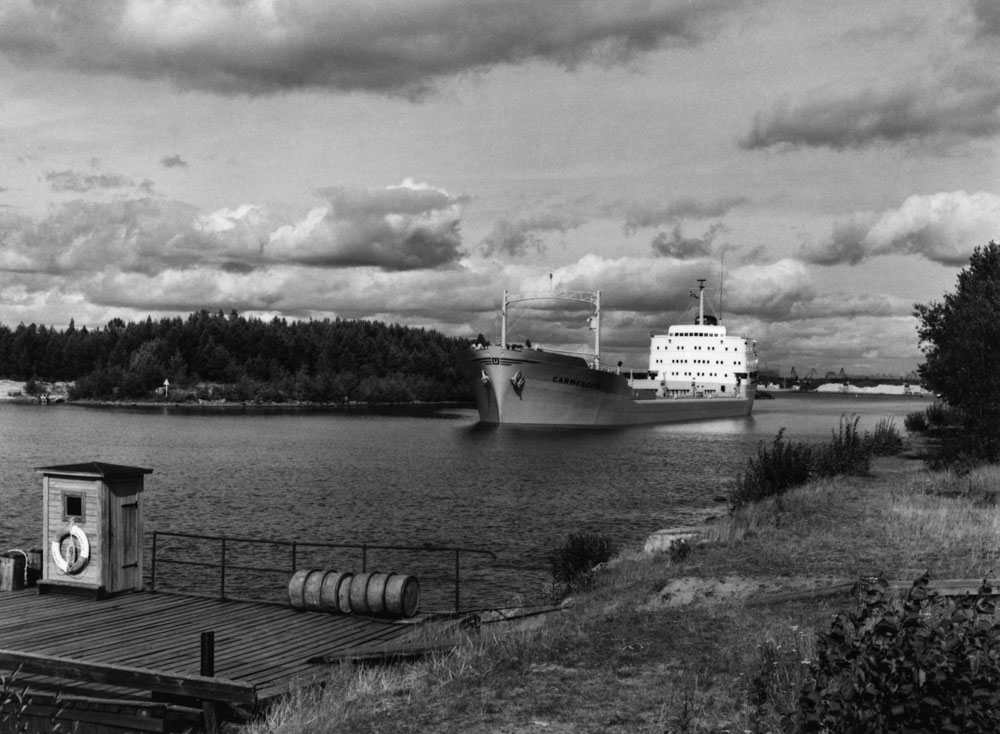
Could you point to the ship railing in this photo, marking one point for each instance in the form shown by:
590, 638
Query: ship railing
293, 552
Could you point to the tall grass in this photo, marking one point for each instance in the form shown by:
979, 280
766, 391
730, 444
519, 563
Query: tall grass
785, 464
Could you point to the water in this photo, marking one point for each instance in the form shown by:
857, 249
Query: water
428, 476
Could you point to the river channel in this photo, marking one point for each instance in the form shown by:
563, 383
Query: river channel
410, 477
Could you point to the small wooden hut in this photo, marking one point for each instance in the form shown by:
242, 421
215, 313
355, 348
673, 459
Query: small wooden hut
92, 520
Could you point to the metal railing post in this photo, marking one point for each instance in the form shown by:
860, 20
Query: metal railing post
152, 570
457, 600
222, 571
364, 558
295, 563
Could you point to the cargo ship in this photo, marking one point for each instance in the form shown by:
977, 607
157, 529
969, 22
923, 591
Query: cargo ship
695, 372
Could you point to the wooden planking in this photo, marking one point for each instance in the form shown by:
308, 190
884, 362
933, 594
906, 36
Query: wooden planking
259, 644
210, 689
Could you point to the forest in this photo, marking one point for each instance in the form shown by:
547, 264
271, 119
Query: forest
217, 356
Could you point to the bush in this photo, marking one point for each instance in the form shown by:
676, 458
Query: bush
845, 454
915, 422
774, 471
573, 564
923, 664
885, 441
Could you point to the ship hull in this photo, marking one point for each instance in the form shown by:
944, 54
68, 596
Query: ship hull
532, 387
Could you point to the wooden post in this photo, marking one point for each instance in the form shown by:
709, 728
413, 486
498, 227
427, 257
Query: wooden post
208, 654
208, 670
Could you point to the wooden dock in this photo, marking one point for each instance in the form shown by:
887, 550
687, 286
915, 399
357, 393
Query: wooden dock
144, 649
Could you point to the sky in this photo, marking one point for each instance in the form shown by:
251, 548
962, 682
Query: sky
824, 166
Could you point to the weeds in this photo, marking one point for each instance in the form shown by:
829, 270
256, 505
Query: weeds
785, 464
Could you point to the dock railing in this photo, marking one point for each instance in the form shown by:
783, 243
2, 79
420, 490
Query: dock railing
225, 565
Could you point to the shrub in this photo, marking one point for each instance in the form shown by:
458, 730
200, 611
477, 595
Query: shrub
845, 454
885, 440
926, 663
940, 415
915, 422
573, 564
774, 471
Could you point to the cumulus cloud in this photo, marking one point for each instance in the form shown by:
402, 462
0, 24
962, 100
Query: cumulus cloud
407, 227
395, 46
943, 227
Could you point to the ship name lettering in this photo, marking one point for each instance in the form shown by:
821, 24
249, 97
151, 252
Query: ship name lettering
576, 383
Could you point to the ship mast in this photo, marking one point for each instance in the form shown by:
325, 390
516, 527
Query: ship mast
591, 297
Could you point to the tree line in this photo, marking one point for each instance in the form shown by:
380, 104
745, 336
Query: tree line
227, 356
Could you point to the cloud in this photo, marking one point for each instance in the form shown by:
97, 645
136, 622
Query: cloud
639, 215
407, 227
173, 161
987, 18
685, 248
518, 237
968, 109
943, 227
61, 181
393, 46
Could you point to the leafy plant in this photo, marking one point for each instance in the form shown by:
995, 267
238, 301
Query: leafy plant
775, 470
923, 664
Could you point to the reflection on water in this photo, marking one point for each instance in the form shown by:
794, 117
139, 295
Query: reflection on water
433, 476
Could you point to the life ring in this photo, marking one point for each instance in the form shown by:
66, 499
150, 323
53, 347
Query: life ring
81, 546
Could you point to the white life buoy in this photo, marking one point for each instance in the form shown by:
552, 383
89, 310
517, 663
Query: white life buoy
80, 556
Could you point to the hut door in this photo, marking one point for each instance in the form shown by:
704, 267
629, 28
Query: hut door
125, 536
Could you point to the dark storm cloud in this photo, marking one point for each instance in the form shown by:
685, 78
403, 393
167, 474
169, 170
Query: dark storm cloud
394, 46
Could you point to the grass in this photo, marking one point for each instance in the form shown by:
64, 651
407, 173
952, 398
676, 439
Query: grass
625, 657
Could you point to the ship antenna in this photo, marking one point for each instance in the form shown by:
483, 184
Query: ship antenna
722, 282
701, 301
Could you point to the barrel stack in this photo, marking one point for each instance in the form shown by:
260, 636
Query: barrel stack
391, 595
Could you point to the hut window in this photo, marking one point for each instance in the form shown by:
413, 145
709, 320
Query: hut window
73, 506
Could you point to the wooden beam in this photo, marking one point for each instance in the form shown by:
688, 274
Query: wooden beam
190, 686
